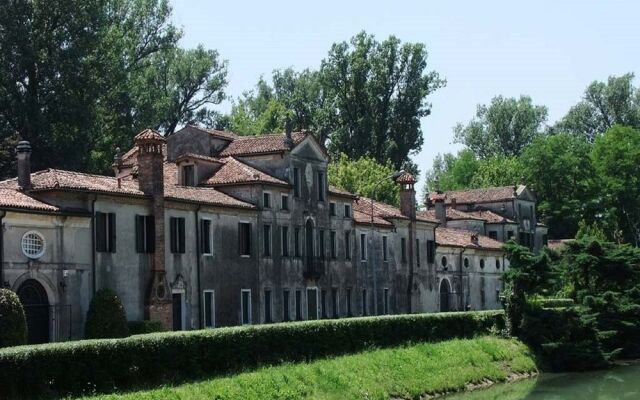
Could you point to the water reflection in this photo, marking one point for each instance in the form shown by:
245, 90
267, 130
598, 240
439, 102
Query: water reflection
614, 384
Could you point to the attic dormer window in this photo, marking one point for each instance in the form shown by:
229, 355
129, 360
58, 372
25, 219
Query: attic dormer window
187, 175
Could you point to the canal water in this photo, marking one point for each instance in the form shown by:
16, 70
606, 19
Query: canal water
618, 383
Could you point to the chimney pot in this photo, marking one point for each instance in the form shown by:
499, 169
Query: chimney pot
23, 151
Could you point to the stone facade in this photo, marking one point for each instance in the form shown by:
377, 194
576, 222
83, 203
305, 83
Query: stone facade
207, 229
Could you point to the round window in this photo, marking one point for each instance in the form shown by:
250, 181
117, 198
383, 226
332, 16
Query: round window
497, 264
466, 262
481, 263
444, 262
33, 244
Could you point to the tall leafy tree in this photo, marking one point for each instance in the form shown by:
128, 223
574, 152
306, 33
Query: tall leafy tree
558, 169
497, 171
503, 128
616, 158
452, 172
366, 177
604, 105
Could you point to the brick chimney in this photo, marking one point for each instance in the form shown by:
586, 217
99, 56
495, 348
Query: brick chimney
158, 300
288, 139
407, 195
441, 211
23, 151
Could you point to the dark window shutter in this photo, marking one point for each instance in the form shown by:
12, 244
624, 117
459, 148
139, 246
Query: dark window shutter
150, 244
100, 232
172, 234
112, 232
181, 236
140, 233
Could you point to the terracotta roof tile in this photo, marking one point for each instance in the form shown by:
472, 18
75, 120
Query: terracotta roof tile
203, 195
484, 195
215, 132
340, 192
70, 180
463, 238
13, 198
406, 177
362, 218
149, 134
490, 216
272, 143
197, 157
236, 172
382, 210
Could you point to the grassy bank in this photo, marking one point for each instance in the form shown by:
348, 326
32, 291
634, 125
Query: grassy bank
404, 372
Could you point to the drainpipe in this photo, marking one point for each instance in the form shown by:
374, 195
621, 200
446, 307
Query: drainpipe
200, 310
93, 243
463, 306
2, 215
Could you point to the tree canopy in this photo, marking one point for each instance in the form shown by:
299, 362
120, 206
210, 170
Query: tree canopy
365, 177
503, 128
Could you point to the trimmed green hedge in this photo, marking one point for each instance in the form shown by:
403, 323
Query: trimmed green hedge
108, 365
144, 327
13, 325
106, 317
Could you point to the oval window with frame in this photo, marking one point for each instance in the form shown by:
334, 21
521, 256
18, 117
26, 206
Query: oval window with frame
33, 244
444, 262
482, 263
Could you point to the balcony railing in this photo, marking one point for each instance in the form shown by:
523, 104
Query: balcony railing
314, 267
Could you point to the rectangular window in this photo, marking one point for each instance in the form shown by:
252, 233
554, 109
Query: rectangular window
205, 237
384, 249
321, 190
105, 232
347, 245
418, 252
312, 304
493, 235
323, 303
285, 240
266, 200
244, 238
296, 242
296, 182
403, 249
145, 233
266, 242
321, 247
431, 251
332, 209
332, 243
209, 309
348, 301
176, 235
298, 305
365, 310
385, 299
268, 317
363, 247
284, 202
286, 303
245, 300
188, 175
347, 210
334, 302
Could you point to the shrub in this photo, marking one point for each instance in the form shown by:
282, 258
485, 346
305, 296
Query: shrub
106, 317
13, 325
162, 358
554, 303
144, 327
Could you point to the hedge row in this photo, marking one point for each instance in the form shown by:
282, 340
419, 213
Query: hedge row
108, 365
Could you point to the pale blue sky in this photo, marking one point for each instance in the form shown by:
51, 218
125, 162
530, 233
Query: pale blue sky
550, 50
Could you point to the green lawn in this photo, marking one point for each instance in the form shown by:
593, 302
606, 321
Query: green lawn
404, 372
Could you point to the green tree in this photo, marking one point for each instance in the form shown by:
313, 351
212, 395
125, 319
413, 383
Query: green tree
366, 177
497, 171
106, 316
503, 128
605, 104
616, 158
452, 172
13, 325
558, 169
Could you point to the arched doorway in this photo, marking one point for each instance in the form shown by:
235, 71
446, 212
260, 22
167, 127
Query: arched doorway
445, 295
36, 308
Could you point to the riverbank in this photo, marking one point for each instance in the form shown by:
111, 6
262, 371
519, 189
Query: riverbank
424, 369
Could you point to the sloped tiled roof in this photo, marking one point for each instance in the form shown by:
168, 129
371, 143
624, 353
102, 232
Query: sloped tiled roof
236, 172
201, 195
197, 157
215, 132
484, 195
362, 218
463, 238
452, 215
385, 211
149, 134
262, 144
406, 177
490, 216
13, 198
341, 192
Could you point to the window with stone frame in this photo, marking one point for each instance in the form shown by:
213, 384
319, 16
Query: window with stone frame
206, 242
145, 234
176, 235
188, 177
244, 238
105, 232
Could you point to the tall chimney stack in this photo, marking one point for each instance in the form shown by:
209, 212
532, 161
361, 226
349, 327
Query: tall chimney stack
288, 139
24, 165
407, 195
